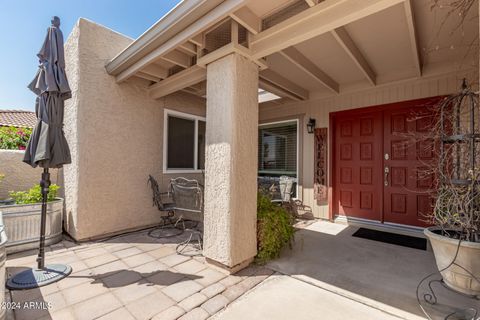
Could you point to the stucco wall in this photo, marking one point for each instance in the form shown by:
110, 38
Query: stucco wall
115, 133
231, 161
19, 176
429, 86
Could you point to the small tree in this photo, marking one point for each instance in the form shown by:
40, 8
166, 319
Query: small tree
457, 208
454, 139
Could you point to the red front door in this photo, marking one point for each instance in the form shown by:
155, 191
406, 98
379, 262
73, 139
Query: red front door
358, 163
408, 155
378, 165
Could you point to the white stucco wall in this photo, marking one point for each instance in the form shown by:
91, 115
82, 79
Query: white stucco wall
429, 86
115, 134
19, 176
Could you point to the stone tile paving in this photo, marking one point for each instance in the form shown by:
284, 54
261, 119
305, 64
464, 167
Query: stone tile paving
128, 277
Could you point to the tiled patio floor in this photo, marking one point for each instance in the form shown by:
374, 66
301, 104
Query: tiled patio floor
129, 277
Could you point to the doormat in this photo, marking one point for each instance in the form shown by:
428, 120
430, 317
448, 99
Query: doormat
392, 238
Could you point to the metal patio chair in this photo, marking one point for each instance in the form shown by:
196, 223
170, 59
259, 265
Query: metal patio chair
188, 197
281, 189
169, 226
286, 188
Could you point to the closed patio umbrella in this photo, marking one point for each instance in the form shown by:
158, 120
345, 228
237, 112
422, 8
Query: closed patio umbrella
47, 146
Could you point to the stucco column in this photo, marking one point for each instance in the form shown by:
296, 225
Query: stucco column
231, 162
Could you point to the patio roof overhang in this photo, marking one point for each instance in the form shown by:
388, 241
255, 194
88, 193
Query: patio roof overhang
303, 48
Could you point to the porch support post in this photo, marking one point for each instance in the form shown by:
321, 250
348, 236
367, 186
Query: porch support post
231, 162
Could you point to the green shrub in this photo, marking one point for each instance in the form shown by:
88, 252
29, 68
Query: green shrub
14, 138
274, 229
34, 195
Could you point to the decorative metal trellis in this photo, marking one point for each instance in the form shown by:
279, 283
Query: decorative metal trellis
460, 155
458, 131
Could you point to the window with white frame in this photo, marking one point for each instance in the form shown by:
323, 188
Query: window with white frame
184, 142
278, 149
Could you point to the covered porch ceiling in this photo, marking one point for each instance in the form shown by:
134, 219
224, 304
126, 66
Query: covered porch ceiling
304, 48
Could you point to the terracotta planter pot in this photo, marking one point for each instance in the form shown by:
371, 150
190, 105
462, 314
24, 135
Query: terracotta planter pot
468, 257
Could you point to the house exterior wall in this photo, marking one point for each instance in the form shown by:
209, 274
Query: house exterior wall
320, 109
115, 133
19, 176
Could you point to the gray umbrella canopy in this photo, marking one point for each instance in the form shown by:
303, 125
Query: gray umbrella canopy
47, 146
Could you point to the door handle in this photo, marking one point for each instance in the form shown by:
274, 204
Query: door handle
386, 171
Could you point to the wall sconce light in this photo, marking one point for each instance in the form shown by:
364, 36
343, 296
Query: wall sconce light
311, 125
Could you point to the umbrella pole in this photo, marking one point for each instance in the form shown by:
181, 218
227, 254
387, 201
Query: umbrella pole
45, 186
42, 275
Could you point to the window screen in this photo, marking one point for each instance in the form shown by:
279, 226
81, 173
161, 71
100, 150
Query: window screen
277, 149
181, 141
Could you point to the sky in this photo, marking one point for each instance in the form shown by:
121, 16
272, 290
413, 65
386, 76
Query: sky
23, 25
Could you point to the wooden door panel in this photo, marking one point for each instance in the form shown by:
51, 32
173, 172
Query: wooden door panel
357, 168
407, 194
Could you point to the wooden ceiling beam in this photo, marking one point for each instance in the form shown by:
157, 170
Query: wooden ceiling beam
308, 67
178, 81
147, 76
320, 19
189, 48
270, 87
201, 88
283, 83
179, 58
198, 40
413, 36
156, 71
312, 3
346, 42
247, 19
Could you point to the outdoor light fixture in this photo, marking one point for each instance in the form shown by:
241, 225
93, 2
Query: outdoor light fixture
311, 125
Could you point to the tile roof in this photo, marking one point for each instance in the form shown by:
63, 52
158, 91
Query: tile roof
17, 118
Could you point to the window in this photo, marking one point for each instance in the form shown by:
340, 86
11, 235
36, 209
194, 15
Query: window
184, 139
277, 149
278, 152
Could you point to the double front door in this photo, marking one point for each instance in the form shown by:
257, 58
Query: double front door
381, 157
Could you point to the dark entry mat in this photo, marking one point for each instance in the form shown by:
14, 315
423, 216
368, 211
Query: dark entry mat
392, 238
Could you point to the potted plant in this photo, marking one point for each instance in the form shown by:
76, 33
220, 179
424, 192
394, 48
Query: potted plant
274, 229
22, 218
455, 236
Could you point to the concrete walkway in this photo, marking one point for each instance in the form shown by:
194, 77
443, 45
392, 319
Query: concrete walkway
331, 275
283, 297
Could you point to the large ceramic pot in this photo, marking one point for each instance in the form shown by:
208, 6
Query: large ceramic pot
22, 224
444, 249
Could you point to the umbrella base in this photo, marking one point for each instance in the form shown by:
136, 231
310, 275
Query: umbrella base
34, 278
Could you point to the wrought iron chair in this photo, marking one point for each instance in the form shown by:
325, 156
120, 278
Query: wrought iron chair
188, 197
169, 225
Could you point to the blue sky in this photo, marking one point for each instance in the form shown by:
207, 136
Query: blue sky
23, 24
